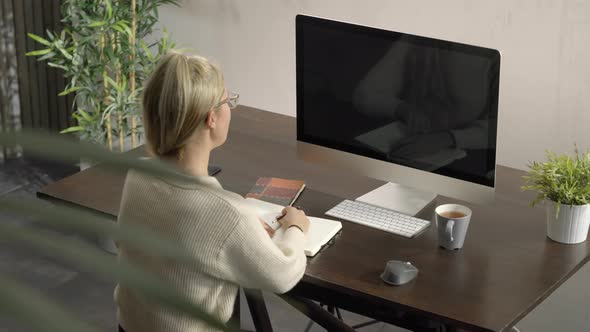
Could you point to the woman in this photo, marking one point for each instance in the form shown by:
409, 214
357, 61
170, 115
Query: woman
186, 114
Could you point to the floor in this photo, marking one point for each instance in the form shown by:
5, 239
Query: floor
568, 309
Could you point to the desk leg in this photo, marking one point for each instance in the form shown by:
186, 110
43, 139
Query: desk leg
449, 328
317, 314
258, 310
234, 320
441, 328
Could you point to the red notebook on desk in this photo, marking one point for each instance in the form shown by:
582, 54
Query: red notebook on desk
275, 190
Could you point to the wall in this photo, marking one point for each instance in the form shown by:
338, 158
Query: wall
545, 44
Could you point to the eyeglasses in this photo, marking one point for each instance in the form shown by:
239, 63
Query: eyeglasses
232, 101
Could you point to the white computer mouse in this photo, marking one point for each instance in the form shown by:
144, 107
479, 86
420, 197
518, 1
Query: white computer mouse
399, 272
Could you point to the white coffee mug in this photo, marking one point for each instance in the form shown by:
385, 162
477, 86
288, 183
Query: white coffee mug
452, 222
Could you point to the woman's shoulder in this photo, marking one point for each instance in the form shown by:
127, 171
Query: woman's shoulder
206, 190
238, 203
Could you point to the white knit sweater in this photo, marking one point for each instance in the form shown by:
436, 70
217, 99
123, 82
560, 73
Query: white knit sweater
230, 245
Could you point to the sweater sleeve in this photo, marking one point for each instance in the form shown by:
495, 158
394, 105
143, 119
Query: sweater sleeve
251, 259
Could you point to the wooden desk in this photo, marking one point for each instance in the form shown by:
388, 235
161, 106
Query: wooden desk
506, 268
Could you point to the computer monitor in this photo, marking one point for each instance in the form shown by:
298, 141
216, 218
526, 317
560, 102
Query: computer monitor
416, 111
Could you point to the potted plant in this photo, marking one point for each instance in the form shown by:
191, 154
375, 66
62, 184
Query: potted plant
563, 182
104, 51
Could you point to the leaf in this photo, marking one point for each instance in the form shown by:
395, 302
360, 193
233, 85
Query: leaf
39, 39
184, 49
164, 39
97, 24
89, 223
54, 147
109, 9
111, 82
146, 50
72, 129
68, 91
39, 52
85, 115
95, 260
107, 112
127, 29
77, 117
123, 25
118, 28
65, 53
34, 310
47, 56
123, 84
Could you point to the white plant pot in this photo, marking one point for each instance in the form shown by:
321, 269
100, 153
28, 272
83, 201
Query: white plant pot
571, 225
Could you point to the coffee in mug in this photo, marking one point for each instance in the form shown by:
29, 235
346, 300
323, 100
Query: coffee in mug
452, 214
452, 221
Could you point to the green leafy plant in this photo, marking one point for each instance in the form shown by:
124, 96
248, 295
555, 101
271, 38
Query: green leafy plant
104, 51
561, 178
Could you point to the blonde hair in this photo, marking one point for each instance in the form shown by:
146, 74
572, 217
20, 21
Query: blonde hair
177, 97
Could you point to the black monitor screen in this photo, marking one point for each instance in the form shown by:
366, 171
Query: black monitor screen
415, 101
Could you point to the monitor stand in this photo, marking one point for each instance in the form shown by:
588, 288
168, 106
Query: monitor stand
400, 198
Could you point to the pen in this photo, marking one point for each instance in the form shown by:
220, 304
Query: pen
281, 216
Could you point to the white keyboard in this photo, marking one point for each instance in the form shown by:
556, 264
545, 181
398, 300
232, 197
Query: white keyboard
379, 218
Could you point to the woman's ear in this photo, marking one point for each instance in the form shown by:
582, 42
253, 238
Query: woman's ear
211, 120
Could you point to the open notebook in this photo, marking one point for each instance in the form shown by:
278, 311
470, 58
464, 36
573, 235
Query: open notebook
321, 230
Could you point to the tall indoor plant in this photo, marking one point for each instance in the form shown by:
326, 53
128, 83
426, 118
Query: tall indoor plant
104, 51
563, 182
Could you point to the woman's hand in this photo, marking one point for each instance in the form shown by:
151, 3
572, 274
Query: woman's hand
267, 228
294, 217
